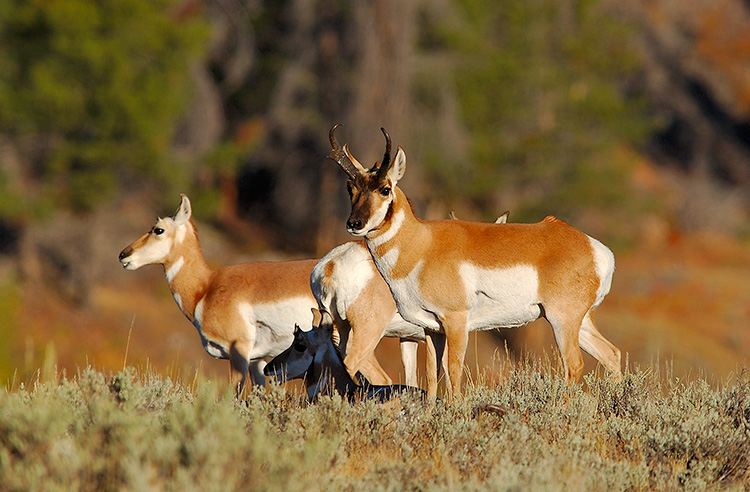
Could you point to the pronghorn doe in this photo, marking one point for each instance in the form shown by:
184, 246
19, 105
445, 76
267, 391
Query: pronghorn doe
346, 284
244, 313
454, 277
313, 357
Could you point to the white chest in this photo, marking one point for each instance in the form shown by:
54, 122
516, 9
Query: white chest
412, 305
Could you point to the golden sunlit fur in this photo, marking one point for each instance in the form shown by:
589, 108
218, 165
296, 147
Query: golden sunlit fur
245, 313
454, 276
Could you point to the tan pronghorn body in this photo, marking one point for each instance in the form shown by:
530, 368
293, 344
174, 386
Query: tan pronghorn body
245, 313
346, 283
454, 277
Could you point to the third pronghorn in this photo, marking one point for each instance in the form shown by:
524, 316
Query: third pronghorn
245, 313
454, 277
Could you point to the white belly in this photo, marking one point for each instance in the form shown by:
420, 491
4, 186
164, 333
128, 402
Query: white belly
271, 325
495, 298
400, 328
501, 298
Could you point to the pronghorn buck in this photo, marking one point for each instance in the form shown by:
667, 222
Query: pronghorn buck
346, 284
313, 356
245, 313
454, 277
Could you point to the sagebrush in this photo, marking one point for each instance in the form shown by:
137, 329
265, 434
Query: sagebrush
139, 431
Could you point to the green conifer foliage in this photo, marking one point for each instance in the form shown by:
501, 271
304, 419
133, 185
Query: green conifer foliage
96, 88
542, 93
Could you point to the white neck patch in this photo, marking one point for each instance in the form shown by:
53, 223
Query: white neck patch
198, 317
175, 269
396, 223
390, 259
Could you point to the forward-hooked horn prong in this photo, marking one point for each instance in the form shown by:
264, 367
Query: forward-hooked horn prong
338, 155
386, 164
387, 155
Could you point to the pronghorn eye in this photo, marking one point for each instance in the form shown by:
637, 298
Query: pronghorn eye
300, 347
385, 191
158, 231
349, 189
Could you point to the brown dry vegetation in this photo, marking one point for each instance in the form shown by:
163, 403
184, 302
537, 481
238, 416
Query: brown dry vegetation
139, 431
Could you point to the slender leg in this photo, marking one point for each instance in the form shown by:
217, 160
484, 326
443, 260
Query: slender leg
440, 365
240, 364
372, 370
256, 372
566, 325
409, 359
599, 347
367, 324
435, 343
457, 338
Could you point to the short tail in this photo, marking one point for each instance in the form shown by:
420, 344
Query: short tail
604, 262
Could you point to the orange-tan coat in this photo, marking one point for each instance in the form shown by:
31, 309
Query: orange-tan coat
454, 277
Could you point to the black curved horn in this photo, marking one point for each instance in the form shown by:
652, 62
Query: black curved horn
387, 155
339, 156
386, 164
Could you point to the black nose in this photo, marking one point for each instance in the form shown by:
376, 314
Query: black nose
354, 224
124, 253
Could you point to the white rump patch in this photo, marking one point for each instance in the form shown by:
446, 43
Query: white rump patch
352, 272
604, 262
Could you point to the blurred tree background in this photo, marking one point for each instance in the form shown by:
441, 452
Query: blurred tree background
629, 119
91, 94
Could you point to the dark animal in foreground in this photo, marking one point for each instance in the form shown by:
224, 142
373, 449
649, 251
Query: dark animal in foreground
314, 357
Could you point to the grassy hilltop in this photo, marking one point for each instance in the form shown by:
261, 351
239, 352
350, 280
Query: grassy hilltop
138, 431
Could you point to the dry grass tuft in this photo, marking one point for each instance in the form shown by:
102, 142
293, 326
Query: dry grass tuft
134, 430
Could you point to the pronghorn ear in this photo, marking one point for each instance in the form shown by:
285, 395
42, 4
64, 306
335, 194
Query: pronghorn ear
503, 218
183, 212
398, 167
316, 318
